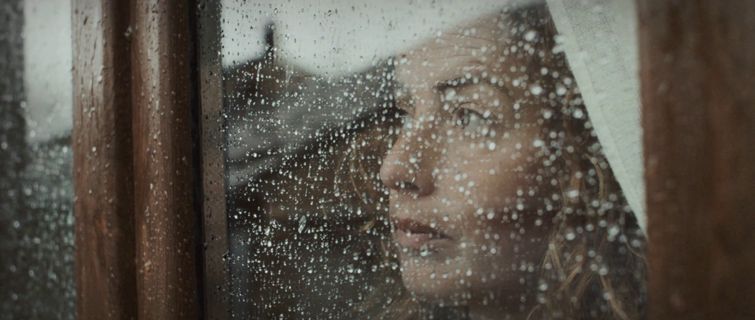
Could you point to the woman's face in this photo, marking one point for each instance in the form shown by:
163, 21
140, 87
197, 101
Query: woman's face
465, 173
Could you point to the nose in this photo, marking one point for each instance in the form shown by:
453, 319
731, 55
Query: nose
408, 165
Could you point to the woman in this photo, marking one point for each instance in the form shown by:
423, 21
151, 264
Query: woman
503, 205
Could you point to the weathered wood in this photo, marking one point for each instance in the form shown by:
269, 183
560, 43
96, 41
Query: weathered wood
105, 270
214, 222
698, 67
166, 209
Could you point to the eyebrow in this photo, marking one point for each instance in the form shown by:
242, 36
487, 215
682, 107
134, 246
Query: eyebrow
403, 102
454, 83
476, 69
439, 86
464, 81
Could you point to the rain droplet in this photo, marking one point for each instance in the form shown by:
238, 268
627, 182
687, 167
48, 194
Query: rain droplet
536, 89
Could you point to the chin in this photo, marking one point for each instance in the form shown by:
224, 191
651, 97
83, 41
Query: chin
435, 279
453, 278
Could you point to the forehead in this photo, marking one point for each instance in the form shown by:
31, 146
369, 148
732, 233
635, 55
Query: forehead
472, 48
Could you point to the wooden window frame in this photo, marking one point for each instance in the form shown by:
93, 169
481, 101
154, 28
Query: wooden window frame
698, 104
149, 172
136, 160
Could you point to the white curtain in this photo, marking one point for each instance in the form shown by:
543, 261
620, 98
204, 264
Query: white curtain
600, 40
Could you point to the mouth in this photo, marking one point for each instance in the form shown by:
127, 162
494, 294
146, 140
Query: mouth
417, 236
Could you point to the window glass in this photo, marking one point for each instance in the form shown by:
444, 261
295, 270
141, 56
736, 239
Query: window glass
432, 160
36, 215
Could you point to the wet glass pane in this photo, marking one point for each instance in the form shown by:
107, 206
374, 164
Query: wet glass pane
432, 160
36, 215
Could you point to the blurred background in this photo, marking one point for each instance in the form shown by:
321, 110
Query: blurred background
36, 217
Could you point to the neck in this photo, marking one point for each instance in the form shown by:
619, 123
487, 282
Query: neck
501, 305
496, 313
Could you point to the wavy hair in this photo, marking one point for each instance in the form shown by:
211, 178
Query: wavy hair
594, 265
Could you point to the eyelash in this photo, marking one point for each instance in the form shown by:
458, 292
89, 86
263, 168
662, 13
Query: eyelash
471, 121
404, 119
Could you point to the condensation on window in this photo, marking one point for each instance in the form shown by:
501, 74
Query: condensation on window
36, 215
432, 160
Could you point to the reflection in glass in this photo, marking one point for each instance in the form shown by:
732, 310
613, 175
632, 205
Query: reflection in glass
36, 192
453, 171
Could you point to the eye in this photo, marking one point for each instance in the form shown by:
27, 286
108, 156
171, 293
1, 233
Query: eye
404, 120
472, 122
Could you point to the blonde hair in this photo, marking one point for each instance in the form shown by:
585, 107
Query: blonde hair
594, 266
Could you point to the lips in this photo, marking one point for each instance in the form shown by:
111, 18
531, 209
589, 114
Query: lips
415, 235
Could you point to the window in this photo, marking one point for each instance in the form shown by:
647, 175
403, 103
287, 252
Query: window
36, 190
528, 159
387, 160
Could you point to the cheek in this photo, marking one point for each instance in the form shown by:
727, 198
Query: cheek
489, 175
482, 188
502, 191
